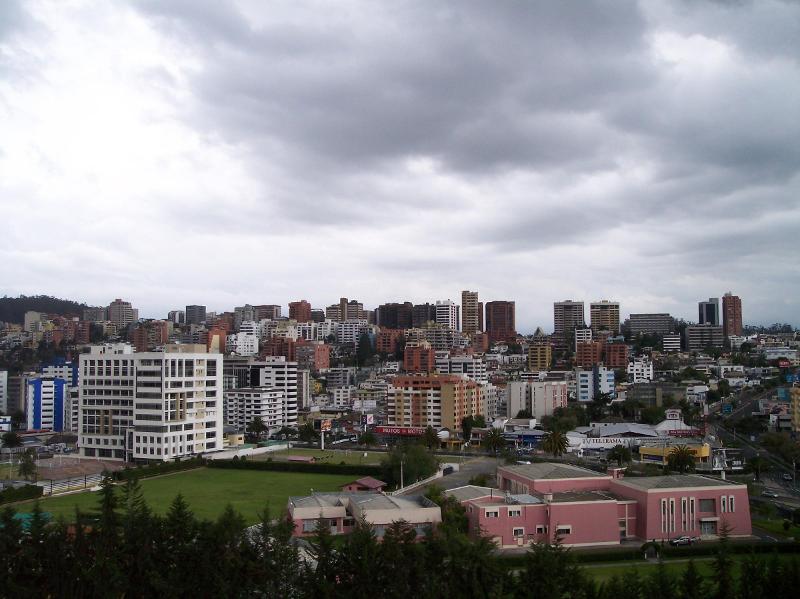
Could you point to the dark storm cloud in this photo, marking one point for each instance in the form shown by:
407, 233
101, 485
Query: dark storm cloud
634, 150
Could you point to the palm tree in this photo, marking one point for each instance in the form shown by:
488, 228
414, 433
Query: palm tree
680, 459
367, 438
555, 442
620, 453
431, 439
256, 427
494, 440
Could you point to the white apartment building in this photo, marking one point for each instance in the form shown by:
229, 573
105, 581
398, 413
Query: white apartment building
448, 314
106, 384
672, 342
277, 372
540, 398
489, 398
242, 406
640, 371
582, 335
150, 406
350, 331
473, 368
243, 344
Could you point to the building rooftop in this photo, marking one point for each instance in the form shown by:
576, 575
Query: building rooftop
369, 482
552, 471
674, 481
472, 492
629, 429
573, 496
366, 500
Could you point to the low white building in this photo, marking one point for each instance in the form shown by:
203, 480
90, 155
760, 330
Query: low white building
640, 371
589, 383
243, 344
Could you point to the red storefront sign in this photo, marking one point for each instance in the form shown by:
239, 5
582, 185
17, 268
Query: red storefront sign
400, 431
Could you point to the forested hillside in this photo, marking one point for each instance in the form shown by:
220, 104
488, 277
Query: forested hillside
12, 309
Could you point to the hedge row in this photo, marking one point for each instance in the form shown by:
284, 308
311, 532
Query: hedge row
20, 494
667, 551
157, 469
354, 469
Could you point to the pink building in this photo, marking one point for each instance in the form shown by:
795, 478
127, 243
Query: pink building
539, 502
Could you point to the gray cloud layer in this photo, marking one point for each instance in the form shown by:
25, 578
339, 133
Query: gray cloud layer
192, 151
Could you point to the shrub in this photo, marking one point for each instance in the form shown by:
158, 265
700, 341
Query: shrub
157, 469
20, 494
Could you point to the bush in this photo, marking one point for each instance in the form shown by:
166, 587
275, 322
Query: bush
297, 467
21, 493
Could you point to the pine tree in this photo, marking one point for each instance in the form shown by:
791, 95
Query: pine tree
752, 578
692, 583
723, 565
660, 584
321, 579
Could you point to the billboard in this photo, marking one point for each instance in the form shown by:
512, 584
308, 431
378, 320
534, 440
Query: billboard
400, 431
326, 425
369, 419
727, 408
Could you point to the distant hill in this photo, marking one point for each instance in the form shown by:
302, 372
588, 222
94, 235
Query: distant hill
12, 309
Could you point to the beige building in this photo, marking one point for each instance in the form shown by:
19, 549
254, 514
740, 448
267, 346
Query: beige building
605, 316
440, 401
471, 321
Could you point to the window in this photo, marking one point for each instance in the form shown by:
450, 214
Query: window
706, 505
541, 529
518, 532
563, 529
514, 513
492, 514
730, 503
723, 502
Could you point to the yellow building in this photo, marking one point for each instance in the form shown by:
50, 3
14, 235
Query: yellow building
540, 356
659, 454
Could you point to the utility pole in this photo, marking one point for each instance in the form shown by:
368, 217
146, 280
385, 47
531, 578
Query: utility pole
402, 460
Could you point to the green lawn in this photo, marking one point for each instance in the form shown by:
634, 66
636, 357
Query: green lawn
775, 526
209, 490
329, 456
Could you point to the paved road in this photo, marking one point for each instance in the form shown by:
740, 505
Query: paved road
467, 470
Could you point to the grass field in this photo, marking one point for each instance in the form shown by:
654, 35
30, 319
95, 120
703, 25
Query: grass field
209, 490
329, 456
775, 526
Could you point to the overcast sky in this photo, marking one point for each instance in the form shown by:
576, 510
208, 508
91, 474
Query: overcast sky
189, 152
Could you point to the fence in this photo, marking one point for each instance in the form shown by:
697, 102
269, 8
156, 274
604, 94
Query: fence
51, 487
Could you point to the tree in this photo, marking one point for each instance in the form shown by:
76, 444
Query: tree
494, 440
723, 565
431, 438
660, 584
466, 428
620, 453
680, 459
367, 438
365, 353
11, 440
479, 421
307, 433
416, 462
524, 414
555, 442
551, 571
256, 427
692, 582
758, 465
27, 464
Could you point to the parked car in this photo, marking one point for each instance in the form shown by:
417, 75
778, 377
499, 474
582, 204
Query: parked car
772, 494
694, 540
681, 541
787, 476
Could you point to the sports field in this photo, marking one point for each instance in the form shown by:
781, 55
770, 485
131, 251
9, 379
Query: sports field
327, 456
209, 490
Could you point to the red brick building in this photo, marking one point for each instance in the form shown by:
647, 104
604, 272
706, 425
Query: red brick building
419, 358
279, 346
387, 340
500, 321
149, 335
588, 354
731, 314
300, 311
616, 355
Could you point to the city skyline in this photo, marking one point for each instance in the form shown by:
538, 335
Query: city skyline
170, 154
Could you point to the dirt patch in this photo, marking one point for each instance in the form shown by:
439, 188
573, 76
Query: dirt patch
61, 467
